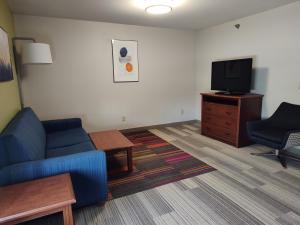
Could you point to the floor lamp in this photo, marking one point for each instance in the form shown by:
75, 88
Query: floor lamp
31, 53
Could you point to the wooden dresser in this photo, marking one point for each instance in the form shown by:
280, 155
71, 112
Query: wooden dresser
224, 117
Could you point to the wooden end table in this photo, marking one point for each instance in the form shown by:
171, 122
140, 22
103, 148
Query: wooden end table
34, 199
113, 141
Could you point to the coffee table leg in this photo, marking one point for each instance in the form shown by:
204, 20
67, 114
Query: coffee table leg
129, 159
68, 216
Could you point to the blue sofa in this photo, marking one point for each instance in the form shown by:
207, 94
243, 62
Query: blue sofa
31, 149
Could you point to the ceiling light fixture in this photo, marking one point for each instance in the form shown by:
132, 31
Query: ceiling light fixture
158, 9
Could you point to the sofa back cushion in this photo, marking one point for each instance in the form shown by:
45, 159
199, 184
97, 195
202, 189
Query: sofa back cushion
24, 139
3, 155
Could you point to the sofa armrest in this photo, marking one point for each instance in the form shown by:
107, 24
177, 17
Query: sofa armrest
88, 172
62, 124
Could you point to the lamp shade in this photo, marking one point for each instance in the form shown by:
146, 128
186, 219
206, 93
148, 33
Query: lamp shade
36, 53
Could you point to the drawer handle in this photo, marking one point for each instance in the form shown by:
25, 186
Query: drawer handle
228, 113
227, 134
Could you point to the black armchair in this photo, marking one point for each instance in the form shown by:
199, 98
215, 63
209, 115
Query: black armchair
281, 132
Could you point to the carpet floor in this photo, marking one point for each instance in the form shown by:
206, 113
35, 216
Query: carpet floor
245, 189
156, 162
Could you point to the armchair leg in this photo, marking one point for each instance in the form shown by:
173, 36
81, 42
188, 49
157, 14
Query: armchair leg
292, 157
272, 153
282, 160
281, 157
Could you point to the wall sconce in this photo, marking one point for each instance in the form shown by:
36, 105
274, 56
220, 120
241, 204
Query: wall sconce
31, 53
36, 53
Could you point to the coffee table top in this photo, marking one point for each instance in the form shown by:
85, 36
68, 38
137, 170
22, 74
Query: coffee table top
110, 140
37, 196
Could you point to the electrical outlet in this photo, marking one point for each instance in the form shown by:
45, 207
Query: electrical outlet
123, 118
182, 111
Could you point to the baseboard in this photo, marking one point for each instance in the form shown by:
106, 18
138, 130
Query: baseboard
158, 126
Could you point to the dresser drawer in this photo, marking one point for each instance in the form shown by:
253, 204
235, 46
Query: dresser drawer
221, 121
219, 133
220, 109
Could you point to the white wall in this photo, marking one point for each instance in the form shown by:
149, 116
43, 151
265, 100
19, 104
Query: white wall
80, 81
273, 38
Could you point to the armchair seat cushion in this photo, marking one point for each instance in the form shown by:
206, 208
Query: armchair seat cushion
73, 149
66, 138
271, 134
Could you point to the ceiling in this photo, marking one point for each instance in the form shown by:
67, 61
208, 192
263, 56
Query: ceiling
190, 14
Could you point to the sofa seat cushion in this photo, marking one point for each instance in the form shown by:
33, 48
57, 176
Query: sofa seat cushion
68, 150
271, 134
66, 138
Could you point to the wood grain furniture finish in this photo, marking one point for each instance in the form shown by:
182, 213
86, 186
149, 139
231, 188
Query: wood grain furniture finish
113, 141
34, 199
224, 117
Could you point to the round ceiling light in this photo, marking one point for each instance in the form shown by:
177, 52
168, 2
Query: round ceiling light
158, 9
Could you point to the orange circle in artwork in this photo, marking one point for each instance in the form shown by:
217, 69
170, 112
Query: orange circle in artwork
129, 67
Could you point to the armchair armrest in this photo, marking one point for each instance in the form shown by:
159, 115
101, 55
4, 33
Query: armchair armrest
88, 173
62, 124
291, 139
256, 125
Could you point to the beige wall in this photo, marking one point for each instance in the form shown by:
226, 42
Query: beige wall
79, 82
272, 38
9, 95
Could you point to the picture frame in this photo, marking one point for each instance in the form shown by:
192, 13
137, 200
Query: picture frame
125, 61
6, 70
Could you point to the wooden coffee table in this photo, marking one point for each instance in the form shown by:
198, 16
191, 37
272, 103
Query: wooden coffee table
113, 141
33, 199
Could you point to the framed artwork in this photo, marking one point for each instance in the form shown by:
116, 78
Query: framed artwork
125, 61
6, 73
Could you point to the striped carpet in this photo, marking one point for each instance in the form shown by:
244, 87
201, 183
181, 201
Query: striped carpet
156, 162
243, 190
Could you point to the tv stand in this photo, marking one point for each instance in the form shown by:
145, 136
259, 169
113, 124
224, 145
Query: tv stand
224, 117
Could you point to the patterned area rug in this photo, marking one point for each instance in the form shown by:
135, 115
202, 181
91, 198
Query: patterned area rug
156, 162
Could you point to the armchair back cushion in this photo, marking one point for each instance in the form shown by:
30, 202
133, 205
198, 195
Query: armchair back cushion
24, 139
287, 116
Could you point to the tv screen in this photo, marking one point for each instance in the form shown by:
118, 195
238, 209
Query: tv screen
232, 76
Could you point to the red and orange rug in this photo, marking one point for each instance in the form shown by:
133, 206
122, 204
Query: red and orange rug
156, 162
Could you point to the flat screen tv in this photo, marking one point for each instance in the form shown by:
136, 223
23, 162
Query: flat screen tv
232, 76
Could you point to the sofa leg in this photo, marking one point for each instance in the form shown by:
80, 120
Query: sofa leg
101, 204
